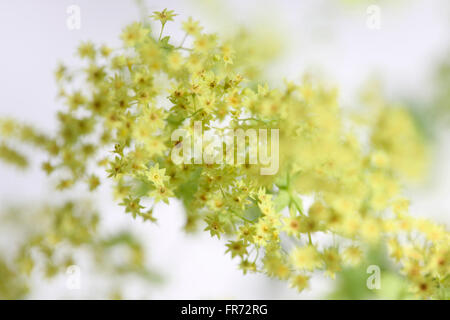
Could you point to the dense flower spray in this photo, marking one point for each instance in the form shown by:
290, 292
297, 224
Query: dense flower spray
131, 100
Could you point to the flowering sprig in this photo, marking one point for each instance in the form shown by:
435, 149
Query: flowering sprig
163, 17
356, 188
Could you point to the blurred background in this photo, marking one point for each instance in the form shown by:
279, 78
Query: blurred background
406, 50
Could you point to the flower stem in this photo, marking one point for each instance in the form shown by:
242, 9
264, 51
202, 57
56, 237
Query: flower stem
160, 33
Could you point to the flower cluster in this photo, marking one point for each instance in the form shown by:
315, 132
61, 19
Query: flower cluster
134, 97
55, 238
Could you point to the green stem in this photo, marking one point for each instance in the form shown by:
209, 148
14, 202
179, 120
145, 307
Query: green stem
183, 48
257, 255
309, 238
243, 218
182, 42
194, 113
297, 207
160, 34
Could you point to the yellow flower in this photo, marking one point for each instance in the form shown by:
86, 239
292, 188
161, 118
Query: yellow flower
275, 266
191, 27
247, 266
332, 260
163, 16
292, 226
157, 176
352, 255
153, 117
86, 50
105, 51
133, 34
400, 206
371, 230
174, 60
215, 226
161, 193
204, 43
395, 250
246, 232
236, 248
299, 282
93, 182
306, 258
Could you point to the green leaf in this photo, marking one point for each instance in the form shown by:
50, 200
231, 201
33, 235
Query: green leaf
298, 202
282, 200
165, 43
187, 190
252, 213
282, 181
